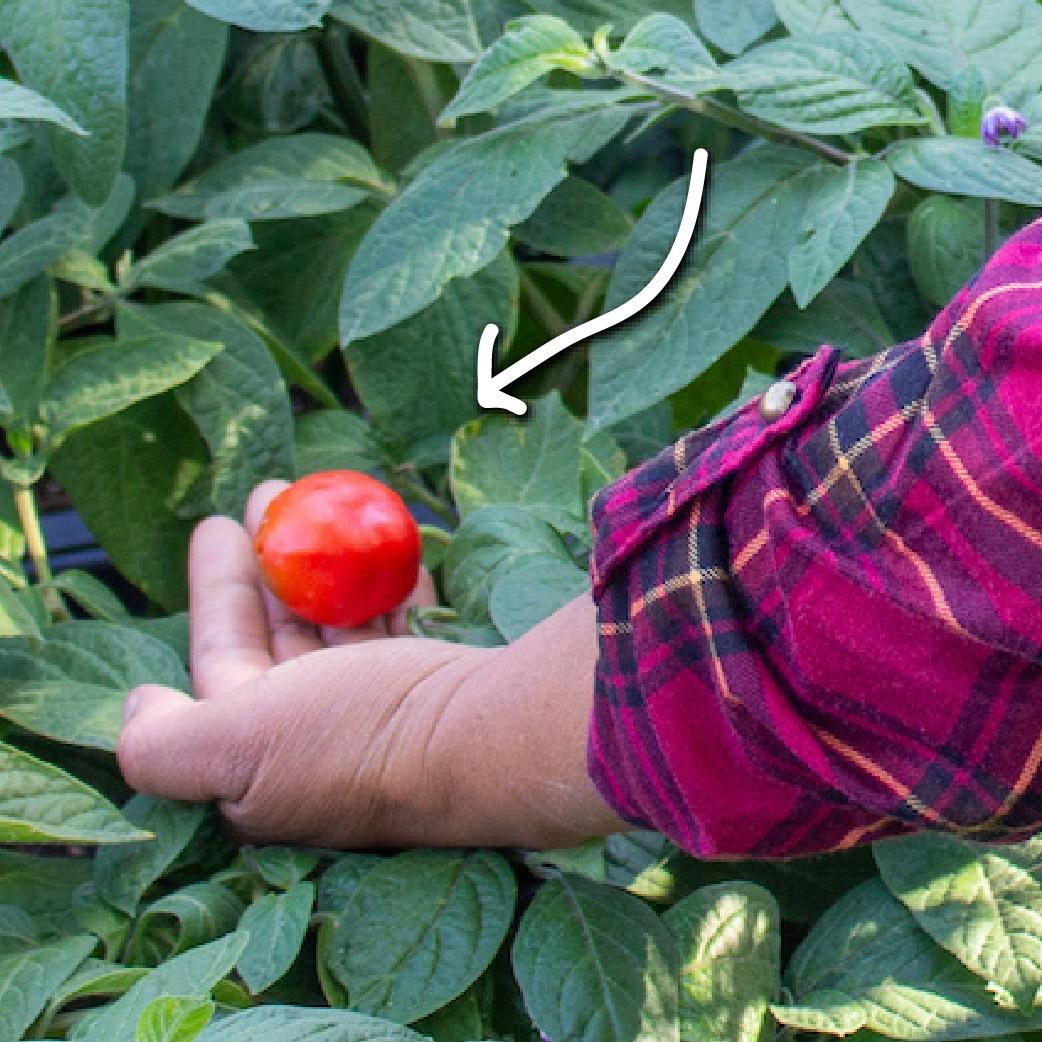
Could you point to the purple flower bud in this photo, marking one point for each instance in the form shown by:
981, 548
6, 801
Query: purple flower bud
1001, 120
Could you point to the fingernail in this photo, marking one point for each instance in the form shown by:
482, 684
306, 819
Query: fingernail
131, 706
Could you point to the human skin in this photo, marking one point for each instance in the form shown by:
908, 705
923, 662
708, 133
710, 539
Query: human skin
367, 737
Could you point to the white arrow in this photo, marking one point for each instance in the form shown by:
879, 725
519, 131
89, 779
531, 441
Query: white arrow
490, 387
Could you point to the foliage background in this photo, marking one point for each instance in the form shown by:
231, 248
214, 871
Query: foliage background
249, 238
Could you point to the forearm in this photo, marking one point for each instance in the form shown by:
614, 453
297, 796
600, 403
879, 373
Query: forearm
510, 741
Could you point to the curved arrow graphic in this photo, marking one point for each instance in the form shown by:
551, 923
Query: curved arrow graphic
490, 387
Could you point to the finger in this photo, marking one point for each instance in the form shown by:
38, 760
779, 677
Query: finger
394, 624
229, 630
182, 749
290, 635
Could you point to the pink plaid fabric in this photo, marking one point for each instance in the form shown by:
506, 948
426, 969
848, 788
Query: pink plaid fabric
827, 629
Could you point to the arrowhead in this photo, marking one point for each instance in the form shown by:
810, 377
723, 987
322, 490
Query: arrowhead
490, 388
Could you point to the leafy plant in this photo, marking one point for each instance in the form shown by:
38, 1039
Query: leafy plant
247, 239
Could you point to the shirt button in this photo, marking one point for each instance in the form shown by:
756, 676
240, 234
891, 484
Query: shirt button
775, 401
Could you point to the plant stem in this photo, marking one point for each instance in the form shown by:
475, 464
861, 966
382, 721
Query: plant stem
991, 228
86, 314
553, 321
736, 119
29, 519
413, 488
344, 83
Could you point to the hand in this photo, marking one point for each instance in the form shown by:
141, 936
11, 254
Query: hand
301, 734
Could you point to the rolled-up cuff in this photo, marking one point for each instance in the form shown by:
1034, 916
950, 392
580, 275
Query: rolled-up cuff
823, 628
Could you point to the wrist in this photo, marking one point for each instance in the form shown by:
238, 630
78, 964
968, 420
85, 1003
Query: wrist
509, 747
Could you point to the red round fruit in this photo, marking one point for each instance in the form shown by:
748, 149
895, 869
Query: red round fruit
338, 548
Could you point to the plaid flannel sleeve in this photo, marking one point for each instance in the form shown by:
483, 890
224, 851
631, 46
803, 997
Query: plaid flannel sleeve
826, 629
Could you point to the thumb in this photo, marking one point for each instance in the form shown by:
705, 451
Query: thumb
174, 746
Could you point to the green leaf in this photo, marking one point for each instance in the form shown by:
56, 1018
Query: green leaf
108, 924
283, 867
486, 542
734, 26
28, 321
844, 314
586, 860
596, 965
529, 49
729, 937
238, 399
981, 902
281, 177
171, 630
436, 30
623, 15
18, 102
123, 874
180, 264
73, 688
74, 52
176, 57
296, 274
405, 97
945, 245
148, 455
459, 1021
941, 37
96, 979
108, 377
524, 595
420, 928
202, 911
418, 380
12, 188
465, 202
646, 434
296, 1024
92, 595
844, 204
534, 464
29, 977
736, 271
664, 43
881, 264
959, 166
173, 1018
1030, 143
827, 1012
646, 864
266, 16
836, 83
32, 249
810, 17
966, 98
576, 219
192, 974
15, 619
334, 439
276, 85
81, 269
340, 879
276, 924
42, 887
869, 948
332, 990
40, 803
